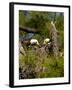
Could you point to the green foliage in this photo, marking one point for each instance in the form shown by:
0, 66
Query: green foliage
43, 66
60, 27
60, 23
22, 18
35, 20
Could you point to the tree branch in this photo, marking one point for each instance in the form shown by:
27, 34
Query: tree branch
28, 30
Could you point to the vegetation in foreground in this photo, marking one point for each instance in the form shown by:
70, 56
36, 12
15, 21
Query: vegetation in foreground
34, 65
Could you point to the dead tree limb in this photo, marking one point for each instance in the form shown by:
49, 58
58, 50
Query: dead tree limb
28, 30
54, 38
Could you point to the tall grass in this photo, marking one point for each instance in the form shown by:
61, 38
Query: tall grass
35, 65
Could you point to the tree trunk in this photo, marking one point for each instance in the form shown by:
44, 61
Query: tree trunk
54, 37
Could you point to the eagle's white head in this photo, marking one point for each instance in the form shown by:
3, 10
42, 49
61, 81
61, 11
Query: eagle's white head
34, 41
46, 41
